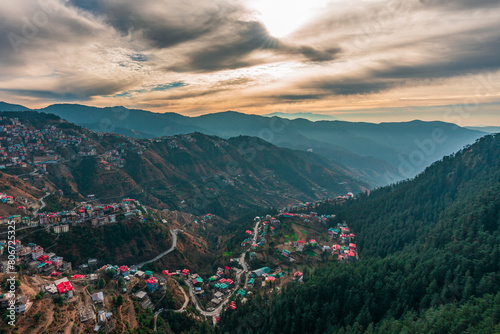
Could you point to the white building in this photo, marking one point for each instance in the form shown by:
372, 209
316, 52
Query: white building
61, 228
37, 252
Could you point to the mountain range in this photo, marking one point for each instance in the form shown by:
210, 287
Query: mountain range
197, 173
380, 154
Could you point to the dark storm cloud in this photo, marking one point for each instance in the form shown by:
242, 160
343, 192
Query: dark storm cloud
30, 27
219, 38
163, 23
76, 89
229, 54
47, 95
462, 57
244, 39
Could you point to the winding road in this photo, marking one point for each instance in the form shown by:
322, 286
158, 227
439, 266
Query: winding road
192, 296
243, 264
256, 232
43, 204
184, 306
35, 213
156, 258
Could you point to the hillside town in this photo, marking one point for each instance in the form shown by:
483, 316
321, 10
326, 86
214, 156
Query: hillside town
210, 295
86, 212
277, 248
27, 147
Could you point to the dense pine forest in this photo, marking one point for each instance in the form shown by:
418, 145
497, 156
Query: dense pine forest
430, 260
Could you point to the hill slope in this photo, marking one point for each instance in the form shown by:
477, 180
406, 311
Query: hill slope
379, 152
430, 259
196, 173
4, 106
25, 197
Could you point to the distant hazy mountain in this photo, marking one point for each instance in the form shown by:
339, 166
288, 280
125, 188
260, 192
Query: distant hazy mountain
305, 115
12, 107
382, 153
488, 129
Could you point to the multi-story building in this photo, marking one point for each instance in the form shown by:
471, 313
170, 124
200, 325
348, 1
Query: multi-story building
36, 252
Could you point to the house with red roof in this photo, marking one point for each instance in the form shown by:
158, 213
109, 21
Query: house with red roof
64, 288
124, 270
152, 284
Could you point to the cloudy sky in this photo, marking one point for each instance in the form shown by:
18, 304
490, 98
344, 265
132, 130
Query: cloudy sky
356, 60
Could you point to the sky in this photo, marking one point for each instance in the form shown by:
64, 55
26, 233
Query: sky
374, 61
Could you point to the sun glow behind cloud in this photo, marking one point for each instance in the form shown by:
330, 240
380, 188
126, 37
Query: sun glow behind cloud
257, 56
282, 17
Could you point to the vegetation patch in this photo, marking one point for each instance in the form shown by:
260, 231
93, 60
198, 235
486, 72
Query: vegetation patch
310, 253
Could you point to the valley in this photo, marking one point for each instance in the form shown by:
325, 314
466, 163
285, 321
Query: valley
114, 233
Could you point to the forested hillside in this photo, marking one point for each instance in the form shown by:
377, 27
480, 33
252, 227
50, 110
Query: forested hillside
430, 260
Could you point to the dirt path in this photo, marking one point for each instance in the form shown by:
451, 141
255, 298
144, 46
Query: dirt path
47, 317
68, 328
126, 313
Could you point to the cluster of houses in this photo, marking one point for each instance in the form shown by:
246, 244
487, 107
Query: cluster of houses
345, 249
112, 159
220, 282
219, 143
35, 259
173, 142
265, 274
21, 145
60, 221
21, 303
315, 204
8, 199
269, 225
153, 282
25, 146
98, 215
204, 219
4, 198
65, 288
312, 217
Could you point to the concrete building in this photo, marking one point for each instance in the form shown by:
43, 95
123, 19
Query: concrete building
37, 252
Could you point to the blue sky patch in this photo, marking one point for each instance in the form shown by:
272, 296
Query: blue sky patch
171, 85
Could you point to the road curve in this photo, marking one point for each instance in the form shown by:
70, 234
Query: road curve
184, 306
243, 264
43, 204
156, 258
